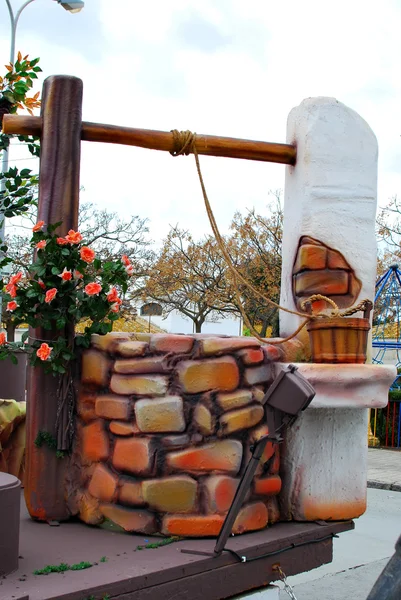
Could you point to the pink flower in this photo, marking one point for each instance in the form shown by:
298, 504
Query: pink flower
38, 226
50, 295
78, 274
2, 338
73, 237
12, 305
92, 289
66, 275
61, 241
40, 245
44, 351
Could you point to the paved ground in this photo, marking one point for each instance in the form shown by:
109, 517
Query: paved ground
384, 469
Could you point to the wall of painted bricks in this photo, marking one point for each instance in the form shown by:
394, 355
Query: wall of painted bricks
165, 425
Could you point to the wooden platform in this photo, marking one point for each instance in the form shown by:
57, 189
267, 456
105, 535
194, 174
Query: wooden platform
163, 573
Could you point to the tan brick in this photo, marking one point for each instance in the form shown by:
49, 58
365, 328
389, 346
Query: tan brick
192, 525
103, 484
242, 418
172, 344
107, 342
171, 494
292, 350
218, 345
152, 364
130, 348
95, 368
234, 399
175, 441
337, 261
130, 493
255, 375
223, 456
123, 428
130, 519
258, 393
251, 518
95, 442
162, 415
113, 407
219, 493
272, 353
310, 257
251, 356
135, 455
150, 385
327, 282
202, 418
219, 374
267, 486
89, 510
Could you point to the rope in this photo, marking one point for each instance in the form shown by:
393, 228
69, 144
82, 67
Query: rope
184, 142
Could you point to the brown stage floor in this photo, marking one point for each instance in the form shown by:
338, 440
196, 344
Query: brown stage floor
164, 573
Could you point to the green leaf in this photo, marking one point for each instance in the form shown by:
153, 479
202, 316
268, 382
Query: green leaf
55, 270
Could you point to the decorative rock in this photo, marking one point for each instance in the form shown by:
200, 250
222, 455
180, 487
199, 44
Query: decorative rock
292, 350
219, 493
113, 407
251, 356
272, 353
174, 441
130, 519
95, 443
329, 283
173, 344
150, 385
192, 525
220, 374
171, 494
268, 486
202, 417
256, 375
235, 399
103, 484
224, 456
95, 368
107, 342
135, 455
311, 256
153, 364
129, 349
89, 510
272, 509
218, 345
251, 518
243, 418
159, 416
131, 493
258, 394
123, 428
86, 407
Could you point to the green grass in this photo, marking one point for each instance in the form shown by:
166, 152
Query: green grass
62, 567
165, 542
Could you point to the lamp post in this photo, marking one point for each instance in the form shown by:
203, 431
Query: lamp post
72, 7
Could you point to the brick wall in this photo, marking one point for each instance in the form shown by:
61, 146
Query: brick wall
165, 424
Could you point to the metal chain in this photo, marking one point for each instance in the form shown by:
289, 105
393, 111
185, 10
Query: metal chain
287, 587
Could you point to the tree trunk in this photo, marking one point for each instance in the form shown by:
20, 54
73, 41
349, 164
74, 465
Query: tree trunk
198, 326
10, 328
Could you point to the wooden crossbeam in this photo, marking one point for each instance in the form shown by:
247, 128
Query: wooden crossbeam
163, 140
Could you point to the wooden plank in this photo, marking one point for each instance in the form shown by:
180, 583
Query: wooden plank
163, 140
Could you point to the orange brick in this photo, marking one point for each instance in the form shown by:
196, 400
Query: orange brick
89, 510
130, 519
131, 493
95, 368
255, 375
251, 518
337, 261
123, 428
219, 493
107, 342
273, 509
225, 456
234, 399
130, 348
327, 282
275, 468
86, 410
310, 257
103, 484
268, 486
171, 494
135, 455
147, 385
243, 418
272, 353
218, 345
219, 374
192, 525
160, 415
251, 356
291, 350
202, 417
175, 344
113, 407
153, 364
95, 442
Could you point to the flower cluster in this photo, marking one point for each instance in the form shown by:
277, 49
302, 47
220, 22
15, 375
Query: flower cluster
66, 283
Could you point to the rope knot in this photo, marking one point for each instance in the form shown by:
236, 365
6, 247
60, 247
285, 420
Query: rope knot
184, 142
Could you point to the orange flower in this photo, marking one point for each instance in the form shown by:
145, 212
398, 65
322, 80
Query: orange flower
112, 296
12, 305
92, 289
16, 278
61, 241
87, 254
44, 351
2, 338
41, 245
66, 275
78, 274
38, 226
50, 294
11, 289
125, 260
73, 237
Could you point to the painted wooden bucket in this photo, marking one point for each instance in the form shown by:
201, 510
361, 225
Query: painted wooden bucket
338, 339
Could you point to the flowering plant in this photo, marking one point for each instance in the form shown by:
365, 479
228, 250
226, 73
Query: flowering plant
65, 283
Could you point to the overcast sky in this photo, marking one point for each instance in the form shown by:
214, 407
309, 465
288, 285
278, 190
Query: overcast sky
225, 67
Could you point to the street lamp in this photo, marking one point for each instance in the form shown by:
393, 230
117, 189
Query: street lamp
72, 7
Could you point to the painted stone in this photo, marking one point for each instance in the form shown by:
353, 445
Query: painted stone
130, 492
272, 353
113, 407
171, 344
130, 348
171, 494
243, 418
134, 455
164, 415
95, 443
153, 364
251, 356
329, 283
123, 428
217, 345
108, 342
224, 456
103, 484
202, 417
95, 368
192, 525
220, 374
89, 510
267, 486
234, 399
255, 375
251, 518
130, 519
175, 441
219, 493
150, 385
86, 407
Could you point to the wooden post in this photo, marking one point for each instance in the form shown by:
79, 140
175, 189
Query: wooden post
58, 201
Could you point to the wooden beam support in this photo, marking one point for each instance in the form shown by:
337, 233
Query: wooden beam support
163, 140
